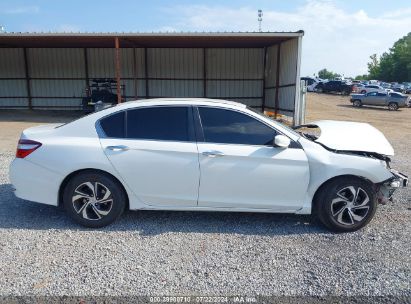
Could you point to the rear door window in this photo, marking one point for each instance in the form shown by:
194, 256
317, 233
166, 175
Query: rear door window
159, 123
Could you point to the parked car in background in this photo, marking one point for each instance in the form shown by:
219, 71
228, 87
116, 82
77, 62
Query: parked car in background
408, 90
336, 86
399, 88
385, 85
357, 87
393, 101
311, 83
371, 88
204, 155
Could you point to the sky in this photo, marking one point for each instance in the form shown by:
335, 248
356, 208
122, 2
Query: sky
340, 35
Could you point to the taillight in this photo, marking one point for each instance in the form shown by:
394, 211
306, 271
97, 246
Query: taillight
26, 147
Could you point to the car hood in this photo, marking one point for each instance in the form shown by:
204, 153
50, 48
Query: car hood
352, 136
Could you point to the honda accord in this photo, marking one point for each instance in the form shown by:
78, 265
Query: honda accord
204, 155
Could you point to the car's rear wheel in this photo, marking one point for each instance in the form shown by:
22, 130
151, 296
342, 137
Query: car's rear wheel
319, 89
357, 103
392, 106
94, 199
345, 204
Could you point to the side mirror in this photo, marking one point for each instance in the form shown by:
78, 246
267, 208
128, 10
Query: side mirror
281, 141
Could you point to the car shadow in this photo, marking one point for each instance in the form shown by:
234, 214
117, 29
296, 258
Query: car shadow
382, 108
16, 213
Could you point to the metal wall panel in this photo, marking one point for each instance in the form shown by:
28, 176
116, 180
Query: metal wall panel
10, 88
175, 63
176, 88
14, 102
57, 88
130, 88
270, 98
101, 62
287, 76
252, 102
12, 63
232, 73
235, 63
56, 63
271, 66
12, 66
288, 57
286, 98
234, 88
60, 103
176, 69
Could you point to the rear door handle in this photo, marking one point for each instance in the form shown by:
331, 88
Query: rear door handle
213, 153
117, 148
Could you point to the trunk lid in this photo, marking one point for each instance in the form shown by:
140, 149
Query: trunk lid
352, 136
39, 130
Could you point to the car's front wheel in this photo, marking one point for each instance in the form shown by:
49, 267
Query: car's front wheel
345, 204
94, 199
357, 103
393, 106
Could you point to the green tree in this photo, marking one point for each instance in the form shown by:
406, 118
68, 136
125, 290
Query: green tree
374, 67
325, 74
361, 77
386, 67
401, 59
394, 65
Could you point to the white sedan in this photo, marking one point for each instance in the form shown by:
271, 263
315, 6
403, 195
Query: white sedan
204, 155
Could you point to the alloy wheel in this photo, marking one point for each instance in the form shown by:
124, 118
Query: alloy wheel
350, 206
357, 103
92, 200
392, 106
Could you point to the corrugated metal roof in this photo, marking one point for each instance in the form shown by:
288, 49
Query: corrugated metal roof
155, 39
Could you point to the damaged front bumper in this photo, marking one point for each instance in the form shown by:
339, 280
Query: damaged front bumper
386, 189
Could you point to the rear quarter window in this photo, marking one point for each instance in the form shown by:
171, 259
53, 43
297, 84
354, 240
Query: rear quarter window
114, 125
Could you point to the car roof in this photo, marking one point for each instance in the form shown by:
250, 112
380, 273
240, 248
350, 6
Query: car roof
179, 101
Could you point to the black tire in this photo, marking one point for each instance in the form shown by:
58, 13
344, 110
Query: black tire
319, 89
357, 103
393, 106
98, 210
331, 209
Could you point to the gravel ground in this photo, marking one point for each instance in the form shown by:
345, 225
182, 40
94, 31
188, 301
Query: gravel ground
160, 253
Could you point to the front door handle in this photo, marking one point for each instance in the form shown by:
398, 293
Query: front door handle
117, 148
213, 153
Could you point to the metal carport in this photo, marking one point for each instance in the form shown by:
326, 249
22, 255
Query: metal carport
52, 70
